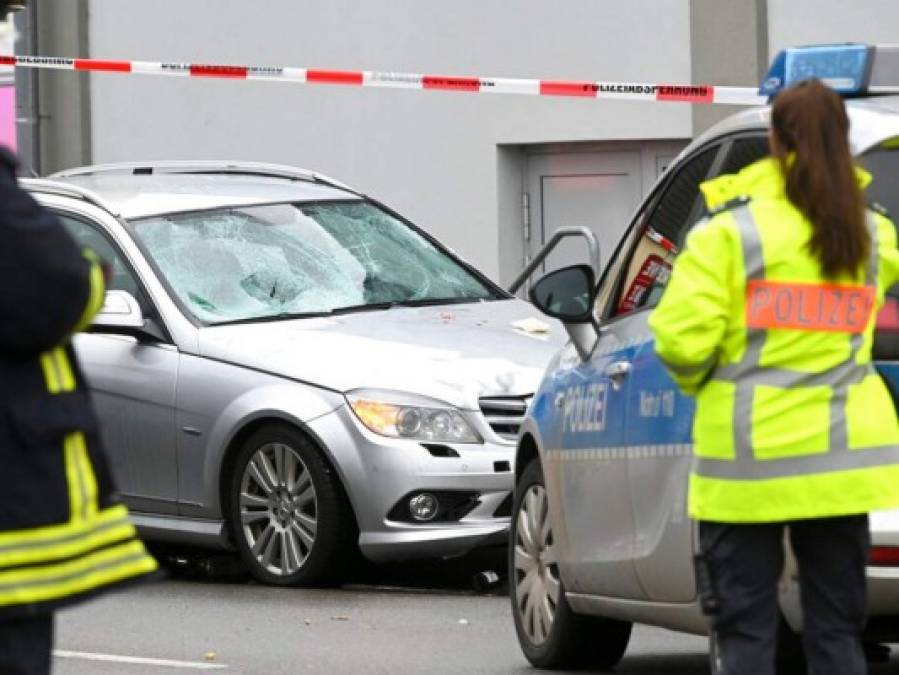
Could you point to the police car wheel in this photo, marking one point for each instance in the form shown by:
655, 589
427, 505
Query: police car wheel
551, 635
289, 517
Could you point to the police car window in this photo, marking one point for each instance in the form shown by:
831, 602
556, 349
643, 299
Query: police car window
743, 152
668, 220
88, 236
883, 163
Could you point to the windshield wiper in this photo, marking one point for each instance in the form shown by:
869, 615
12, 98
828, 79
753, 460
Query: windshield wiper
368, 307
421, 302
283, 316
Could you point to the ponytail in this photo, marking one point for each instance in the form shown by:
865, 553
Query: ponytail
811, 129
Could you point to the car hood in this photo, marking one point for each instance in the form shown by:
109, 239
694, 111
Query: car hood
455, 353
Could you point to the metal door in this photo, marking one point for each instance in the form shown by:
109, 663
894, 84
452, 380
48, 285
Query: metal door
599, 190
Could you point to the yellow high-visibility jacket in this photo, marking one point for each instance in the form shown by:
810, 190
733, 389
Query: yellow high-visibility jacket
792, 420
63, 536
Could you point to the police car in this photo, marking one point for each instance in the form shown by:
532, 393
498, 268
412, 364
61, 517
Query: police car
600, 537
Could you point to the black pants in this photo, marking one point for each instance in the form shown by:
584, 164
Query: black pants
25, 645
745, 562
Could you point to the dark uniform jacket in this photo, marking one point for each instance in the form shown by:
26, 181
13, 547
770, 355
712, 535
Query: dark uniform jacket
62, 535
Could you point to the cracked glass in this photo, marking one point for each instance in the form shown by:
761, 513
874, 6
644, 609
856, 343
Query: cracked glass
274, 261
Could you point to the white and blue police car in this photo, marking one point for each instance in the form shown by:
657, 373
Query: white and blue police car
600, 538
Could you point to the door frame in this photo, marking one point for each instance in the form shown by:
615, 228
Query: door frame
523, 216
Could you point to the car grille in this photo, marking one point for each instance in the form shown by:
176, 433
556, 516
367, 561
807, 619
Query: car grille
505, 414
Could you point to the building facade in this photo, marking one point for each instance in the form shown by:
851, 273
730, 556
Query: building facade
491, 176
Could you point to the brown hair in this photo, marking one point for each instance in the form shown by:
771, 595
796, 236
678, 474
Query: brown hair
809, 121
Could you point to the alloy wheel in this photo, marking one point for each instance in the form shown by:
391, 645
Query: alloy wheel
537, 584
278, 508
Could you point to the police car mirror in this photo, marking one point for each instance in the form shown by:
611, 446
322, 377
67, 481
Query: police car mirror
566, 294
121, 314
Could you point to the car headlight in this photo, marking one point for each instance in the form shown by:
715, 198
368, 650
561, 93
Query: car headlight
406, 416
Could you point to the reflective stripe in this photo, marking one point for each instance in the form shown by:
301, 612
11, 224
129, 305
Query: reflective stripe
801, 465
754, 267
839, 428
76, 454
58, 374
64, 368
74, 480
748, 374
82, 484
69, 547
37, 584
693, 369
845, 374
53, 535
96, 293
51, 376
68, 569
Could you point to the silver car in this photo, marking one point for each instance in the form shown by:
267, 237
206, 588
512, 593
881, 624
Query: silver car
289, 368
600, 535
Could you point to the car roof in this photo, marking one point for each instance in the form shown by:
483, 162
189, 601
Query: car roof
872, 120
133, 195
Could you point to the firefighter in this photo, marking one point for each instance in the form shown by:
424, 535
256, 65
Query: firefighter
768, 320
63, 537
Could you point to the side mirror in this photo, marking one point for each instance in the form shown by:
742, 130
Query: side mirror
567, 294
121, 315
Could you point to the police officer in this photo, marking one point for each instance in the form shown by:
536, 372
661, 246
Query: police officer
768, 321
63, 537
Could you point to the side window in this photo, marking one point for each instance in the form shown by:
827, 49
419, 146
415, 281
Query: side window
744, 151
89, 236
663, 228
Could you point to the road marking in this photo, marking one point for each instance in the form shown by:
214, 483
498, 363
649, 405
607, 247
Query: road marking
138, 660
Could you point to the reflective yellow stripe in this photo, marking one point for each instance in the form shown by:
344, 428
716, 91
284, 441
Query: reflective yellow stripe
64, 369
96, 293
48, 365
52, 535
71, 546
74, 478
60, 580
88, 478
58, 373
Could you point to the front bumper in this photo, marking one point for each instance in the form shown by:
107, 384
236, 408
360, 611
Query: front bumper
378, 472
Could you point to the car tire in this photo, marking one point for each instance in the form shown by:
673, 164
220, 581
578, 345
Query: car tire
569, 640
290, 518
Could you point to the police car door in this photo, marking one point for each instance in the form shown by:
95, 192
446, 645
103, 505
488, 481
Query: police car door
585, 473
659, 417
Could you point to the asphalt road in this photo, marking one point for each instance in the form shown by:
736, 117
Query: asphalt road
434, 626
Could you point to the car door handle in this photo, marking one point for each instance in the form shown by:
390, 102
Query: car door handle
617, 371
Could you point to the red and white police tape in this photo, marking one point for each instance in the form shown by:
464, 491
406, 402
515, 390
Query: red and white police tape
371, 78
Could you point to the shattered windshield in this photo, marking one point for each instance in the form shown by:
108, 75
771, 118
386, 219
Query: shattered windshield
249, 263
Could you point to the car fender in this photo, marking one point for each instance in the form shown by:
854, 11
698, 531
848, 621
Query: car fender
289, 402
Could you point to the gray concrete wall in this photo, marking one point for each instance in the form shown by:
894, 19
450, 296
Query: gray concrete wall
729, 46
56, 104
446, 160
799, 22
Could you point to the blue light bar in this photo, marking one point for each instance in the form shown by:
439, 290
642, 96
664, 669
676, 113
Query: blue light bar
846, 68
